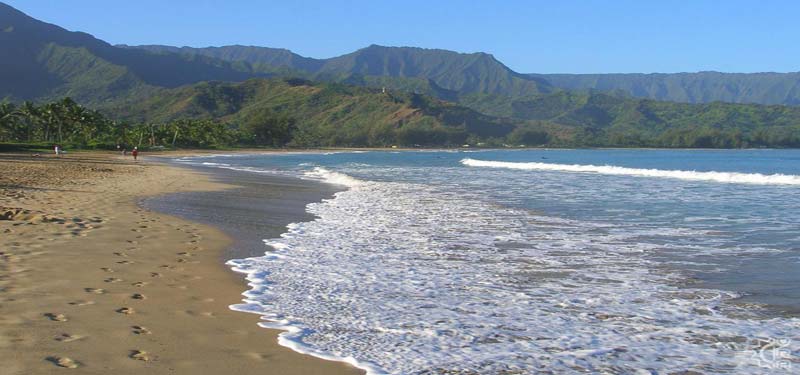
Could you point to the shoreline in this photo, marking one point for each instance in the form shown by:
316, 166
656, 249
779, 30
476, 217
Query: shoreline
768, 305
91, 281
255, 207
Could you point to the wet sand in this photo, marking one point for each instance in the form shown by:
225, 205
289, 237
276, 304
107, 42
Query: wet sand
256, 207
90, 282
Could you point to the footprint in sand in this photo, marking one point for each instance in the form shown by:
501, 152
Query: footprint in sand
201, 299
125, 262
139, 284
126, 310
66, 337
138, 296
63, 362
56, 317
112, 280
155, 274
106, 269
140, 330
140, 355
120, 254
206, 314
256, 356
94, 290
81, 303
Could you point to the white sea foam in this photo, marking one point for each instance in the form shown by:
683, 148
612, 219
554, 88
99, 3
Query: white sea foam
331, 177
725, 177
215, 164
400, 278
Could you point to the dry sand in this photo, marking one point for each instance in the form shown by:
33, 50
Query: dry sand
91, 283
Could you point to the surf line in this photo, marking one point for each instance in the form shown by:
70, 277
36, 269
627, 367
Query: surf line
725, 177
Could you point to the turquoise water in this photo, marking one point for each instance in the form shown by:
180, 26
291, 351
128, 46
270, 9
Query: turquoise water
534, 260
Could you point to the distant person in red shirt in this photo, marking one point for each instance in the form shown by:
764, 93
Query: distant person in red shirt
135, 153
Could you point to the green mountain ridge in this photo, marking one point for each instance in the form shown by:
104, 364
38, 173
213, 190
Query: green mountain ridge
453, 71
258, 59
482, 74
700, 87
42, 61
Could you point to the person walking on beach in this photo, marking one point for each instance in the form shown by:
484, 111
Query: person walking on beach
135, 153
57, 149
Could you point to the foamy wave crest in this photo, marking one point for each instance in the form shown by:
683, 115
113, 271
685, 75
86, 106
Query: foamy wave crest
333, 177
725, 177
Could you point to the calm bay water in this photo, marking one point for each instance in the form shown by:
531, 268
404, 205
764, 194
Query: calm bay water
616, 261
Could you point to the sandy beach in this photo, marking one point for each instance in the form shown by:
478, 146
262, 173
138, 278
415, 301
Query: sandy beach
91, 282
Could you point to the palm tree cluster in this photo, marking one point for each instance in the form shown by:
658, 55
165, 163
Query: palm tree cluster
65, 122
60, 122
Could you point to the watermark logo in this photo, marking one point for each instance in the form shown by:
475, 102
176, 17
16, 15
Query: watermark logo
771, 353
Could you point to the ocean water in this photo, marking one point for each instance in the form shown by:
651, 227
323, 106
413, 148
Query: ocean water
537, 261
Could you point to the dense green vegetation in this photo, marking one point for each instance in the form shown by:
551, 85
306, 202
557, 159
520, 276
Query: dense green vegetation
320, 114
273, 113
701, 87
73, 126
607, 120
300, 113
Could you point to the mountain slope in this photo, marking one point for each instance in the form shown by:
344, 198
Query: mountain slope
463, 73
608, 120
331, 114
41, 60
702, 87
448, 70
479, 73
326, 114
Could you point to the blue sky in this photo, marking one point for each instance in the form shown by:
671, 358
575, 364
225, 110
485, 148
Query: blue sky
528, 36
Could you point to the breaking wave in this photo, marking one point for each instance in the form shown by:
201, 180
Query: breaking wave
725, 177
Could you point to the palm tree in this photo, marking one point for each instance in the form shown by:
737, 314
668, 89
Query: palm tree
7, 111
32, 115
